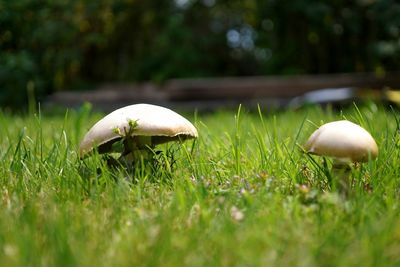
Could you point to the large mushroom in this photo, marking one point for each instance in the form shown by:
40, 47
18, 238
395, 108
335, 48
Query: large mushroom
134, 130
346, 143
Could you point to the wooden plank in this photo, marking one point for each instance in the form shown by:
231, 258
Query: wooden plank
272, 86
110, 95
213, 92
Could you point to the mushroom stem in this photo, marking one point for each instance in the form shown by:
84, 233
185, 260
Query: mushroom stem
136, 155
341, 175
133, 157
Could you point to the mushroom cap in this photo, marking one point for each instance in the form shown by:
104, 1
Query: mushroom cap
162, 124
343, 140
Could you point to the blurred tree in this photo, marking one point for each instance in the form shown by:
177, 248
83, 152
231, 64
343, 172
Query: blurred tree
45, 45
49, 45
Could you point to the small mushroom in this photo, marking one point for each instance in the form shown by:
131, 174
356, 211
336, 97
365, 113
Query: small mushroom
137, 128
345, 142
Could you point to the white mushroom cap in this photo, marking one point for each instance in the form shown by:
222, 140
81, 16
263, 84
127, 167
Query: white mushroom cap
342, 140
160, 123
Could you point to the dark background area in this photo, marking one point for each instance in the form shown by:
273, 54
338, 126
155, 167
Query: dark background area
53, 45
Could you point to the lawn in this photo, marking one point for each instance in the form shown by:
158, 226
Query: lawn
242, 194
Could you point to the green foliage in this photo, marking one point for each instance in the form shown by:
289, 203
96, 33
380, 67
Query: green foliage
17, 70
44, 43
53, 45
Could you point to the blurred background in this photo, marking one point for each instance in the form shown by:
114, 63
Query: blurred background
49, 46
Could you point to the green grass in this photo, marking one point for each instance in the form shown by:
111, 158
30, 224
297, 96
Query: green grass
242, 195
